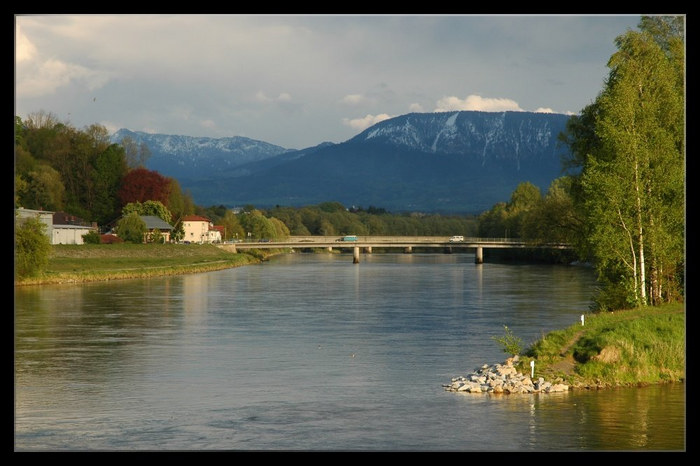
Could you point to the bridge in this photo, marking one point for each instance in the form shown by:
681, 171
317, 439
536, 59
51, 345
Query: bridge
407, 243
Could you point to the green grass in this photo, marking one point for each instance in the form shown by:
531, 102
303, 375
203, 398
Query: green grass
94, 262
621, 348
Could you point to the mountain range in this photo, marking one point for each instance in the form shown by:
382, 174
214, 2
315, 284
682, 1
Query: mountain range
452, 162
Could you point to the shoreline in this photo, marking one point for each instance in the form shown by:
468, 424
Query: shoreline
146, 272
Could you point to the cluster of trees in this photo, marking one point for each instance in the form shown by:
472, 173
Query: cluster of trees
333, 218
629, 149
622, 205
62, 168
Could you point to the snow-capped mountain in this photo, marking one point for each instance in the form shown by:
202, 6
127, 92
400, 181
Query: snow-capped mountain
485, 136
432, 162
187, 157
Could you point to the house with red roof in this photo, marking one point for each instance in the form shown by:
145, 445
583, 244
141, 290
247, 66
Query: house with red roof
200, 230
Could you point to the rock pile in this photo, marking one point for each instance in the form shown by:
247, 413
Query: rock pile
502, 378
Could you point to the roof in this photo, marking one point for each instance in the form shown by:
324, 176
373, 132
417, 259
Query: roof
72, 227
153, 222
195, 218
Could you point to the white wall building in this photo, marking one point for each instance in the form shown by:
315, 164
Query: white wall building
69, 234
199, 230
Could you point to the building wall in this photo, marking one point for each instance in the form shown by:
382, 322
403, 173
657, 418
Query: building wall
195, 231
213, 236
46, 217
68, 235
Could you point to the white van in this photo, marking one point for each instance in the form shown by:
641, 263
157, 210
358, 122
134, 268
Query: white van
457, 239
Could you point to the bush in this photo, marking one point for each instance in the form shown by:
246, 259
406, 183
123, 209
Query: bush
32, 248
511, 344
131, 228
91, 237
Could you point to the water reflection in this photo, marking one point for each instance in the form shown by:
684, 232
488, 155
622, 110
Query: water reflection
261, 357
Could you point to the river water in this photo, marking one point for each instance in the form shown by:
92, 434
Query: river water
310, 352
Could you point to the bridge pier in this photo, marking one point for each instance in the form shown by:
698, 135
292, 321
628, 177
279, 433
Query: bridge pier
479, 253
368, 250
330, 248
408, 249
356, 255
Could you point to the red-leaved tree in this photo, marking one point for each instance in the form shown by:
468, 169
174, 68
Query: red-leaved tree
141, 184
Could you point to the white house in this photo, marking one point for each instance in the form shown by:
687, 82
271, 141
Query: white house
61, 228
69, 229
199, 230
69, 234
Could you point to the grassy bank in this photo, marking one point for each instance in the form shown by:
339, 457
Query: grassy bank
96, 262
622, 348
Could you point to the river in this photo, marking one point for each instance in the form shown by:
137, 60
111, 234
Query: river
310, 352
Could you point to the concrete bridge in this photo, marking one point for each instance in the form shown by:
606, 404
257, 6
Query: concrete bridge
407, 243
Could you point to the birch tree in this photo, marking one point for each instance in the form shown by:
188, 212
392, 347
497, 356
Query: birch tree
633, 168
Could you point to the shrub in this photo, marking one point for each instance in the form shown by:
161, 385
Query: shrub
131, 228
32, 248
91, 237
510, 343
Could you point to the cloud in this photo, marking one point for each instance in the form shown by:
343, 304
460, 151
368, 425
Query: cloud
24, 49
46, 77
544, 110
478, 103
260, 96
38, 76
208, 124
415, 108
360, 124
354, 99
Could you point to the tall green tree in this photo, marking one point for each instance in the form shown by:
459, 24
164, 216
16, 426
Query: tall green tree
232, 226
630, 146
110, 169
44, 189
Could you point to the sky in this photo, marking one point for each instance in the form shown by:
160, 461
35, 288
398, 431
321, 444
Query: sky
299, 80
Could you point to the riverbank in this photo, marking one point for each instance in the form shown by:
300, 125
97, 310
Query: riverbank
635, 347
103, 262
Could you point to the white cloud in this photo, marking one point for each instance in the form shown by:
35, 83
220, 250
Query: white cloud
261, 97
37, 76
208, 124
354, 99
416, 108
544, 110
24, 49
478, 103
360, 124
39, 79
